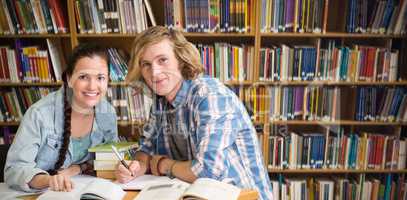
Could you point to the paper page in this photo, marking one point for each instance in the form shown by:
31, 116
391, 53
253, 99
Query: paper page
142, 181
7, 193
105, 189
163, 191
88, 185
211, 189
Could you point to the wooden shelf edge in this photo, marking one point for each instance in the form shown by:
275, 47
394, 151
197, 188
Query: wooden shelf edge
8, 84
192, 34
332, 35
256, 123
59, 35
128, 123
237, 83
337, 122
55, 84
331, 83
9, 123
338, 171
104, 35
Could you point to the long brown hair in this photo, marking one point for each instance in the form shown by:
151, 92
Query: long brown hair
81, 51
186, 53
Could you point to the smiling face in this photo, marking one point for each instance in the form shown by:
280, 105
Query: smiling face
160, 69
89, 81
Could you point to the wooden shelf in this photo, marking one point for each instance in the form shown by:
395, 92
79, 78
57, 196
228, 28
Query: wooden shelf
119, 123
335, 171
127, 123
338, 122
64, 35
9, 123
50, 84
331, 35
330, 83
104, 35
237, 83
226, 35
21, 84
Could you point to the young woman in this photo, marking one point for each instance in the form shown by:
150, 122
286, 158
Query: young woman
52, 140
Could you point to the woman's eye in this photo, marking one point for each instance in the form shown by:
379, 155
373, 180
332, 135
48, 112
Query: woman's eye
83, 77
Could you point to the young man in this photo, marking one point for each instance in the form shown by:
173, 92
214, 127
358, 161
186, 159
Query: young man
197, 126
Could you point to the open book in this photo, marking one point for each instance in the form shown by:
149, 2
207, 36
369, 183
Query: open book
94, 188
201, 189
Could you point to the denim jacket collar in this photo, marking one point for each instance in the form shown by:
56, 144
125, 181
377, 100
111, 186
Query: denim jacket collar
102, 110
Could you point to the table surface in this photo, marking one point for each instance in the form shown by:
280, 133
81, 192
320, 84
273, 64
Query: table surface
130, 195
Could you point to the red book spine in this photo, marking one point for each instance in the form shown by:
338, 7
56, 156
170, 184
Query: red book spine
2, 69
5, 64
59, 18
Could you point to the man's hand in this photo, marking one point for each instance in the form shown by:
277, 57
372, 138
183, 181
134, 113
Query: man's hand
124, 175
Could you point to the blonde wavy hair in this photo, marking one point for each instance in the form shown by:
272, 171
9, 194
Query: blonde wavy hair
187, 54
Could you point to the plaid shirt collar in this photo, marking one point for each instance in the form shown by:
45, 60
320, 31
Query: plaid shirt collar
181, 97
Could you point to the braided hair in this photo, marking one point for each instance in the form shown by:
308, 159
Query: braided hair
81, 51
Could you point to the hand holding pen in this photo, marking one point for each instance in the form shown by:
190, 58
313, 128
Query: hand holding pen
121, 160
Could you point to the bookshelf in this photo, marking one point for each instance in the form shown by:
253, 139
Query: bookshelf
252, 89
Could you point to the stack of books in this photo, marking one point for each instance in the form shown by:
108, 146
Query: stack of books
106, 161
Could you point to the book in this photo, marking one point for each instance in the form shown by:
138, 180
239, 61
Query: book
121, 146
86, 187
202, 188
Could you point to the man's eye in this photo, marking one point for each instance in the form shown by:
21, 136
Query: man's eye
101, 78
163, 60
145, 65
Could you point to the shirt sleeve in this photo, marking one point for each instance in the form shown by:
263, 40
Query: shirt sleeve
20, 165
217, 126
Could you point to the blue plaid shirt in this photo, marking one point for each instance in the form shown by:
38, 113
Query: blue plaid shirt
207, 123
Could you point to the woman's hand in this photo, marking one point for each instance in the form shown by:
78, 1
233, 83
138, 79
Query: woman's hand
124, 175
62, 180
59, 182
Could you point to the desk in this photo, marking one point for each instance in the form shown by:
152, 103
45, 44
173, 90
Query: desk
130, 195
244, 195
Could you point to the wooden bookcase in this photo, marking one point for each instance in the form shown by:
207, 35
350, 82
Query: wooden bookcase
334, 18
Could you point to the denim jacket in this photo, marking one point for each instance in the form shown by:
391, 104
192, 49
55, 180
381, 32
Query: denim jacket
39, 137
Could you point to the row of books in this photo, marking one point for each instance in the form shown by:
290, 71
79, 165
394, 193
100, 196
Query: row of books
118, 60
271, 103
339, 188
336, 151
32, 16
210, 15
360, 63
115, 16
32, 62
238, 59
380, 104
383, 17
15, 102
292, 16
130, 104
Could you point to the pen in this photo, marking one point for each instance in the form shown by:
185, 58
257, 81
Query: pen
121, 159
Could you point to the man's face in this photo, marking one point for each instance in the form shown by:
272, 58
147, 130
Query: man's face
160, 69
